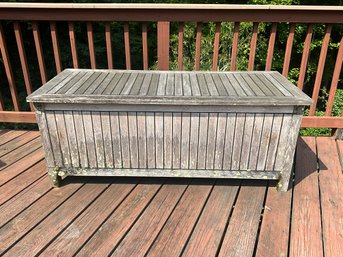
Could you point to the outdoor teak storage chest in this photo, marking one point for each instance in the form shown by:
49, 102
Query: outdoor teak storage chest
169, 124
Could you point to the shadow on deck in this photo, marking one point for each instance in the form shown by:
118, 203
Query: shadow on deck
169, 217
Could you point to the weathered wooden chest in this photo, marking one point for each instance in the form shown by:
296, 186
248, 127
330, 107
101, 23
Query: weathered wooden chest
169, 124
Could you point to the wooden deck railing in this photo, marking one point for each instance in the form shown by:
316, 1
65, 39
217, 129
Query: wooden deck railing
12, 16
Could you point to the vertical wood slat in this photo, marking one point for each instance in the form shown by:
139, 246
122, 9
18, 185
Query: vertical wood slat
216, 46
8, 70
163, 31
63, 138
127, 45
253, 43
320, 69
180, 46
304, 58
145, 45
234, 46
335, 78
107, 138
98, 139
116, 139
271, 45
71, 28
39, 51
108, 45
55, 47
91, 45
198, 46
81, 139
288, 52
23, 59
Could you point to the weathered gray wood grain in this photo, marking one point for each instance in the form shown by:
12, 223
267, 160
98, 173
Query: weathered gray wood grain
159, 137
145, 85
194, 140
83, 87
81, 138
265, 141
202, 147
185, 140
124, 139
229, 138
112, 84
274, 141
89, 135
137, 85
75, 86
103, 85
211, 140
256, 139
168, 140
150, 143
55, 142
63, 138
98, 139
186, 85
107, 139
238, 141
116, 134
246, 142
176, 140
189, 173
129, 84
133, 139
220, 141
212, 88
142, 139
72, 138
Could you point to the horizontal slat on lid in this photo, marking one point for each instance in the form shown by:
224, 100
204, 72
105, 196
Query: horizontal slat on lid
170, 88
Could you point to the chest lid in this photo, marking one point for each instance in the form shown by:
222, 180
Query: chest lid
170, 88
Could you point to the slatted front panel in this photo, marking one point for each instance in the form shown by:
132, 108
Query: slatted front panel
167, 140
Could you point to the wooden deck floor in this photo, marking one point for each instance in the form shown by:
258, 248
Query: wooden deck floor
169, 217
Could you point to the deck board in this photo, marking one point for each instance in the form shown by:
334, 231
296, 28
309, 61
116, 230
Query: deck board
175, 217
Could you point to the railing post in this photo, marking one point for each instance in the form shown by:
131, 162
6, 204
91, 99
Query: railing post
163, 28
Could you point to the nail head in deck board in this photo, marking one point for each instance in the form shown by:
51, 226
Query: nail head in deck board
173, 237
106, 238
241, 233
81, 229
306, 230
331, 183
143, 233
186, 106
207, 234
35, 240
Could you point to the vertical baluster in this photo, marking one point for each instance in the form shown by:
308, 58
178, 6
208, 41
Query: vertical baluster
198, 46
288, 52
335, 78
180, 46
39, 50
253, 47
72, 38
8, 70
2, 107
216, 46
305, 55
53, 30
108, 45
127, 45
320, 69
23, 59
271, 45
91, 45
234, 46
145, 45
163, 31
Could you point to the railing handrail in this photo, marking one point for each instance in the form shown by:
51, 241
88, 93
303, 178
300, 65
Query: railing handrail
171, 12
